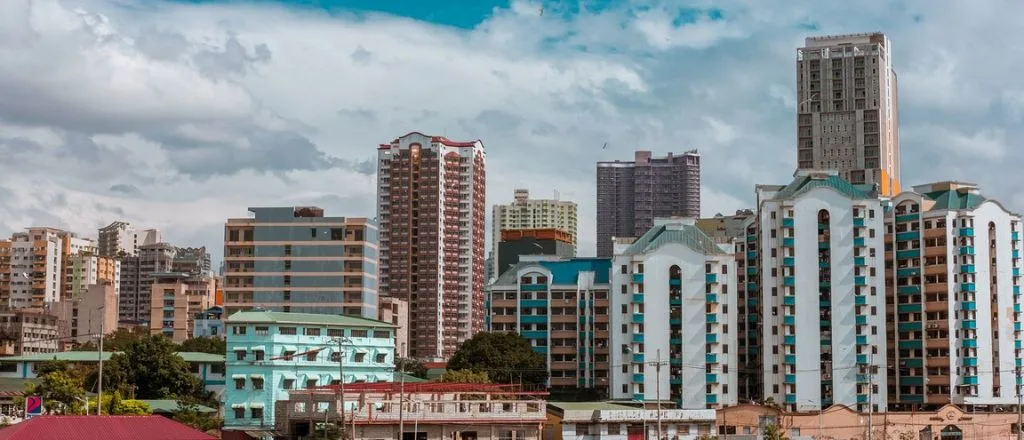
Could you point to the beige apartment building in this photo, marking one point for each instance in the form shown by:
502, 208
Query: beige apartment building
294, 259
847, 109
24, 332
527, 213
176, 298
84, 270
396, 311
32, 264
91, 313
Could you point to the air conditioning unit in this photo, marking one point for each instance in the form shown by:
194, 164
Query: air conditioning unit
931, 326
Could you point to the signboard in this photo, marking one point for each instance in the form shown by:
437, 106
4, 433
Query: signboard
33, 406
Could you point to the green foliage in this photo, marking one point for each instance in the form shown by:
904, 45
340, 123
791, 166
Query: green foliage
116, 341
61, 391
132, 408
333, 432
154, 367
411, 367
505, 357
774, 432
464, 376
188, 413
204, 345
47, 367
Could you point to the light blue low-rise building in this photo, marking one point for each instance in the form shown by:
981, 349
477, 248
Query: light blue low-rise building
270, 353
209, 323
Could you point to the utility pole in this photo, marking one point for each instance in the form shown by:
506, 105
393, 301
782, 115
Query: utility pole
401, 398
99, 382
341, 385
657, 387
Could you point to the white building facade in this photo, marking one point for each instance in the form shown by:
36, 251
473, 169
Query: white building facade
674, 318
956, 292
823, 293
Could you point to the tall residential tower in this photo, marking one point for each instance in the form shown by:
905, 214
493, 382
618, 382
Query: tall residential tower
847, 109
527, 213
631, 194
431, 208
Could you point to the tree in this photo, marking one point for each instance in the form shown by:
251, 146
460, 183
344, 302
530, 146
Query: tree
773, 432
505, 357
411, 367
464, 376
62, 390
189, 414
157, 372
204, 344
116, 341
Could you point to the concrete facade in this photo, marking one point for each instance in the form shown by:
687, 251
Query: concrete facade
518, 242
175, 298
396, 312
527, 213
609, 421
672, 311
89, 315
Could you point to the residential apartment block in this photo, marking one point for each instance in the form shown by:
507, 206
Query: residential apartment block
137, 281
674, 318
272, 353
86, 269
294, 259
822, 281
209, 323
519, 242
954, 306
33, 266
562, 307
27, 332
121, 239
396, 312
431, 207
847, 109
527, 213
89, 314
175, 299
630, 195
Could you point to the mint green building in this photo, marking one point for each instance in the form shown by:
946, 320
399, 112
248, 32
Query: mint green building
270, 353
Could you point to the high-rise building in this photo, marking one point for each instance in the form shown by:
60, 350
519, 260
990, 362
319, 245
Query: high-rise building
431, 207
85, 270
33, 262
560, 305
740, 232
175, 299
519, 242
116, 239
954, 267
294, 259
847, 109
822, 292
630, 195
527, 213
671, 314
137, 280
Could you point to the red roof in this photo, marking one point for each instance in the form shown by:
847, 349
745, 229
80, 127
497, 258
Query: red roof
439, 139
105, 427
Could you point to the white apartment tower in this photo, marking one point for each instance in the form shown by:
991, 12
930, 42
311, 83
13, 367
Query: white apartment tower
527, 213
121, 237
431, 207
955, 290
35, 268
674, 318
847, 109
822, 287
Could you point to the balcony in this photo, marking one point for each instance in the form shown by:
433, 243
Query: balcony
859, 261
638, 338
711, 318
711, 298
908, 290
789, 300
860, 281
751, 270
788, 262
966, 250
859, 242
908, 272
789, 340
858, 222
711, 278
638, 298
711, 378
862, 340
711, 358
1015, 236
790, 379
638, 278
638, 378
788, 242
908, 235
788, 281
907, 217
789, 359
909, 326
968, 287
971, 306
909, 308
908, 253
967, 268
711, 338
860, 300
788, 320
967, 232
787, 222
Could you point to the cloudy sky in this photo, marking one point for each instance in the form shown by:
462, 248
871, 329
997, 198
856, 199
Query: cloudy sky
178, 115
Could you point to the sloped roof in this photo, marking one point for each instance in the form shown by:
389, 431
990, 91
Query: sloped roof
262, 316
101, 427
955, 200
687, 235
803, 184
168, 406
562, 271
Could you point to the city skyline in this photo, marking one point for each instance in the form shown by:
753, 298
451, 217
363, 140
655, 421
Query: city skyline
742, 124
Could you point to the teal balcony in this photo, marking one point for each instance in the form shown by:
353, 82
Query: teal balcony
1016, 271
969, 343
1016, 326
862, 359
788, 242
862, 320
711, 338
536, 334
915, 363
966, 250
711, 378
908, 290
862, 398
638, 397
823, 245
638, 318
1016, 290
711, 278
752, 302
751, 238
538, 303
968, 287
533, 287
970, 380
907, 217
638, 378
790, 398
862, 378
711, 358
824, 264
638, 338
970, 325
711, 298
912, 380
751, 270
789, 340
789, 359
790, 378
858, 222
638, 278
967, 232
787, 222
909, 308
789, 320
1017, 344
909, 326
638, 358
859, 261
1015, 253
751, 287
970, 362
913, 344
751, 255
908, 235
908, 272
711, 318
862, 339
711, 399
533, 319
970, 306
860, 281
638, 298
966, 268
859, 242
788, 281
789, 300
1015, 236
675, 282
908, 253
860, 300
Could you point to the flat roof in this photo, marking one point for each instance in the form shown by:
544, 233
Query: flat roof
591, 406
92, 356
262, 316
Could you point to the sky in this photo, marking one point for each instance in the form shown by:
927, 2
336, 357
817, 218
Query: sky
180, 114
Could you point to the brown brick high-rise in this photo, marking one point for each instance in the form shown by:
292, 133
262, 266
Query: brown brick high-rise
431, 208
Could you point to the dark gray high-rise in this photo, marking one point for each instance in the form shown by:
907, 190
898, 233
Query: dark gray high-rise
630, 195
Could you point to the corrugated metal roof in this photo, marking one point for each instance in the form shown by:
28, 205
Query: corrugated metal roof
101, 427
305, 318
92, 356
803, 184
688, 235
171, 406
955, 200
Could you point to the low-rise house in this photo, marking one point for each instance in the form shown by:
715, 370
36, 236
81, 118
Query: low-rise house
272, 354
610, 421
431, 411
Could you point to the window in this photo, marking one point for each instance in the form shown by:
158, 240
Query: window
239, 413
258, 354
380, 334
311, 356
287, 330
262, 331
312, 331
239, 355
335, 332
312, 232
360, 357
311, 383
336, 356
257, 413
238, 329
239, 384
360, 333
337, 234
288, 384
287, 354
381, 358
257, 383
